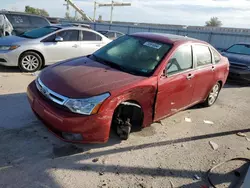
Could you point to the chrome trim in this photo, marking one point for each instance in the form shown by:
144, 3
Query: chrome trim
48, 93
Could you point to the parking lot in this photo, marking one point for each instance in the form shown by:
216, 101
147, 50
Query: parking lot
171, 153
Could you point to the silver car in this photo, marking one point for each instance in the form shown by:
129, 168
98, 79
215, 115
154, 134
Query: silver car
47, 45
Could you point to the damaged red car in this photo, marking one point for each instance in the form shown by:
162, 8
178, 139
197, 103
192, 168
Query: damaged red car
131, 82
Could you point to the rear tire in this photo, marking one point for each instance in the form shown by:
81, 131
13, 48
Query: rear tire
213, 95
30, 62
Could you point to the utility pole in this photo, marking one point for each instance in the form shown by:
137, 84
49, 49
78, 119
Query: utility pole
111, 13
67, 9
95, 3
112, 5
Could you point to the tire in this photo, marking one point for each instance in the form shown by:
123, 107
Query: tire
213, 95
123, 130
30, 62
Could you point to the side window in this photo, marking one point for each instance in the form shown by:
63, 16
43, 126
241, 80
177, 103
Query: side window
18, 20
51, 38
216, 56
110, 35
203, 55
69, 35
118, 35
181, 60
90, 36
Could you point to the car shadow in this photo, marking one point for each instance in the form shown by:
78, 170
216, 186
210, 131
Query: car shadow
25, 143
9, 69
236, 84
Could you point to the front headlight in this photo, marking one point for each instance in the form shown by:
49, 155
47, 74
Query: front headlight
8, 47
86, 106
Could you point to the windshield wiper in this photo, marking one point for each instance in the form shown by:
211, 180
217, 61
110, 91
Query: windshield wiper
25, 36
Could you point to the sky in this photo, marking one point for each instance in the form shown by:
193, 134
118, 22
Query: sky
232, 13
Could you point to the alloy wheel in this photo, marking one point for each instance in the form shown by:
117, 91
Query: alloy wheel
214, 94
30, 62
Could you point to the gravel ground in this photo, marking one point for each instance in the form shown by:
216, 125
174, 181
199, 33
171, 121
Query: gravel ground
172, 153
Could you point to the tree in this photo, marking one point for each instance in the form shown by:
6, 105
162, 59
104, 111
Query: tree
37, 11
68, 17
214, 22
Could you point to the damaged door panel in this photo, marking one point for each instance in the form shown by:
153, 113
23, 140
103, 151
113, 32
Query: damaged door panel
175, 88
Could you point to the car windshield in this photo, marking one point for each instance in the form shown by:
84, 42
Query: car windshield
243, 49
131, 54
40, 32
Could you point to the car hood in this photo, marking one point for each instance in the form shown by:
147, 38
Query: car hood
10, 40
237, 58
83, 77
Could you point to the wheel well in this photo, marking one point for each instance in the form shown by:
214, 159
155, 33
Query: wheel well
130, 109
220, 82
40, 54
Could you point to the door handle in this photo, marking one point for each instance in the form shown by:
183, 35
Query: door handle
190, 76
75, 46
213, 68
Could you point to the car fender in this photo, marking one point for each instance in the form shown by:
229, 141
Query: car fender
143, 94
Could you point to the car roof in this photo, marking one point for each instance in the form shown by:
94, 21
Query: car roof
243, 43
167, 38
71, 26
59, 26
109, 31
19, 13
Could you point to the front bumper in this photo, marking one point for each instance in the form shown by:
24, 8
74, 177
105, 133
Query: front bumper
93, 129
9, 58
238, 74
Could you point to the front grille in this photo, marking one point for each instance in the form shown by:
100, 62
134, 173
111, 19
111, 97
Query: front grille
238, 66
3, 60
49, 94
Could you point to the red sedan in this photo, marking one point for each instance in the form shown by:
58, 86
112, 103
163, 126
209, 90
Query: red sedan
131, 82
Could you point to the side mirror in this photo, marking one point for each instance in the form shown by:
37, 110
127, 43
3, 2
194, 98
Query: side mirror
165, 72
58, 39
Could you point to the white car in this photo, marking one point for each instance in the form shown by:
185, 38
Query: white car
47, 45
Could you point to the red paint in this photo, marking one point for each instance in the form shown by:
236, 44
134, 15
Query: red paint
82, 77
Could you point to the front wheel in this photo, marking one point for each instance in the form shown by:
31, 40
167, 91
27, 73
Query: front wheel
213, 95
30, 62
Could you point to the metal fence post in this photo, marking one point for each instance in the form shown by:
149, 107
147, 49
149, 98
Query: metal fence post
109, 26
95, 26
210, 37
128, 32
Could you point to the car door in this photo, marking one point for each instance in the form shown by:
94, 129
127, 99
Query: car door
175, 90
204, 72
68, 48
90, 42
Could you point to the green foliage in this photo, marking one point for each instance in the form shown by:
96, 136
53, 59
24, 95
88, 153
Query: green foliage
37, 11
214, 22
